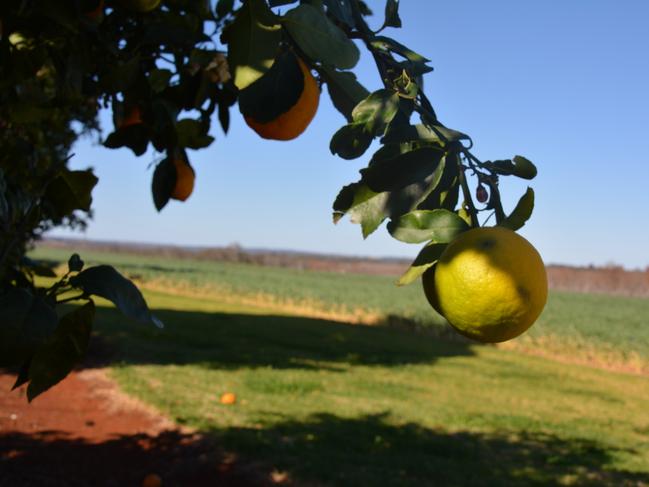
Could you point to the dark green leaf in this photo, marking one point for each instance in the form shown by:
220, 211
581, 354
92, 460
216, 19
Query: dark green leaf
192, 134
363, 205
518, 166
75, 264
521, 213
223, 8
341, 11
23, 375
65, 349
377, 110
106, 282
26, 322
426, 258
345, 91
396, 172
319, 38
253, 42
388, 44
159, 79
135, 137
350, 141
406, 133
120, 77
71, 190
392, 14
439, 226
164, 182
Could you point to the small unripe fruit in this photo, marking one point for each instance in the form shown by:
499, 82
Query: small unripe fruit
481, 194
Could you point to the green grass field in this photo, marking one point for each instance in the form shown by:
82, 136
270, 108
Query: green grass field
331, 403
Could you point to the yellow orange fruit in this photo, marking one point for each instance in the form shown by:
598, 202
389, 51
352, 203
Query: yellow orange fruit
152, 480
297, 118
228, 398
184, 180
489, 283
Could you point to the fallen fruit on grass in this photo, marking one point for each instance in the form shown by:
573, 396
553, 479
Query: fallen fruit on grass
291, 123
489, 283
184, 180
152, 480
228, 398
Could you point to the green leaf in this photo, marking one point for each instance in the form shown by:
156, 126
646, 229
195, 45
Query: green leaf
164, 182
439, 135
223, 8
192, 134
341, 11
319, 38
427, 258
65, 349
439, 226
392, 14
135, 137
517, 166
377, 110
159, 79
387, 174
26, 322
350, 141
363, 205
345, 91
522, 212
387, 44
253, 42
71, 190
120, 77
106, 282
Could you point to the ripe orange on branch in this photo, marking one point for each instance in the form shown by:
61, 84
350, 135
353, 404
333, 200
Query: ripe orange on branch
184, 180
281, 104
489, 283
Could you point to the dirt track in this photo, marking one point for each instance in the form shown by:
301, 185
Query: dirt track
84, 432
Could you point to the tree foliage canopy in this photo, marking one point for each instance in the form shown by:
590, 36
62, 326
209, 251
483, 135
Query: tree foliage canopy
168, 71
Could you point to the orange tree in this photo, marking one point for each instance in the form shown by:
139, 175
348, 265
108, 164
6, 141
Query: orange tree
168, 70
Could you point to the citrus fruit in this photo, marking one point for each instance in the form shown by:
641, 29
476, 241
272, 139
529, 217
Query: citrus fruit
489, 283
228, 398
132, 117
152, 480
291, 123
184, 180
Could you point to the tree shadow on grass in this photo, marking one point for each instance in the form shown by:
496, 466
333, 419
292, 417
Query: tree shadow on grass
323, 450
371, 450
228, 341
52, 459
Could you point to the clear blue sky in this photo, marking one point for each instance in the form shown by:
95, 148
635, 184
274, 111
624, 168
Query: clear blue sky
563, 83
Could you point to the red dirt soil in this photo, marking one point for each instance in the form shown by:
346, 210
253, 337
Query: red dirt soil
84, 432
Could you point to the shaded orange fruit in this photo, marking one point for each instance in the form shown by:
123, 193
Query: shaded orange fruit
184, 180
133, 117
228, 398
152, 480
297, 118
97, 13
